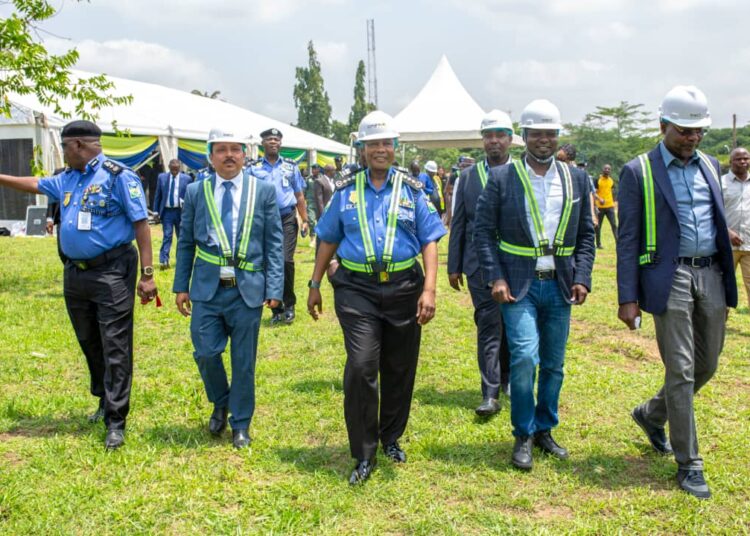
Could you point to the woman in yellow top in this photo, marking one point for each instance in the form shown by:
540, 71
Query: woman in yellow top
605, 203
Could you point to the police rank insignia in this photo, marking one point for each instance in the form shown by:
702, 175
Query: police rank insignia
66, 198
353, 197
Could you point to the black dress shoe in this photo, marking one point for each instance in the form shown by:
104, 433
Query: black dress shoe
395, 452
547, 444
115, 438
655, 434
289, 315
277, 318
522, 453
218, 421
98, 415
693, 482
362, 471
489, 406
240, 439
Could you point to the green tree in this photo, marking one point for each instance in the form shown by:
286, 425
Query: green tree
626, 119
26, 67
360, 106
311, 98
213, 95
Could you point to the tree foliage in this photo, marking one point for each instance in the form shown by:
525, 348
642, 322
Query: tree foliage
625, 119
27, 67
360, 107
311, 98
216, 94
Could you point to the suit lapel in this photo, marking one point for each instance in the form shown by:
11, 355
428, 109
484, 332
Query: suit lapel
661, 179
521, 207
243, 207
711, 177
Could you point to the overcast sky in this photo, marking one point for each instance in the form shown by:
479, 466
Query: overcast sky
577, 53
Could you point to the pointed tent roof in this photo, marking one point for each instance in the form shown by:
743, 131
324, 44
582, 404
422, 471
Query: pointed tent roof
443, 114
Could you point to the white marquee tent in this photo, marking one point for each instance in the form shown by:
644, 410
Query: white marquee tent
443, 114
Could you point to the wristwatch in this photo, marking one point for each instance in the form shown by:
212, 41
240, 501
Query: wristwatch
148, 271
313, 284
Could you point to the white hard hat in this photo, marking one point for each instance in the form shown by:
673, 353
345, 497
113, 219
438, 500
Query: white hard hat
496, 120
216, 135
685, 106
376, 125
431, 166
541, 114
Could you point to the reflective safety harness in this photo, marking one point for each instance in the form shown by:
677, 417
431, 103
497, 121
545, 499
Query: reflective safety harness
227, 258
387, 265
484, 169
649, 205
543, 248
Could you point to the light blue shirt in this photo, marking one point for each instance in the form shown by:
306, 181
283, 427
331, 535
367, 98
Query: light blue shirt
114, 202
286, 178
695, 206
418, 222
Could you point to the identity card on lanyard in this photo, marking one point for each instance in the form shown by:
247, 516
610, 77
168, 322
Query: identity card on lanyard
84, 221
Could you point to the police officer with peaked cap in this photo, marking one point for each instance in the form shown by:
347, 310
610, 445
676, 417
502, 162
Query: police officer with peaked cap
284, 174
378, 221
103, 209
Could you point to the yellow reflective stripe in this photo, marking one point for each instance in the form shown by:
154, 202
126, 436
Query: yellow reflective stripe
392, 221
366, 268
649, 206
562, 227
645, 259
221, 261
710, 166
564, 252
536, 217
522, 251
215, 219
362, 216
250, 182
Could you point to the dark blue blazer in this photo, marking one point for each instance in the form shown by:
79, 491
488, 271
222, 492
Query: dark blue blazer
462, 254
264, 249
650, 284
162, 190
501, 213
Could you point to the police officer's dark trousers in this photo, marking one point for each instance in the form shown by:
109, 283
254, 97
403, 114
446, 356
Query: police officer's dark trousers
381, 335
291, 228
100, 304
493, 356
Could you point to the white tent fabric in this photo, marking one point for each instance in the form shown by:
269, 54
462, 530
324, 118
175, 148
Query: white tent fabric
443, 114
165, 112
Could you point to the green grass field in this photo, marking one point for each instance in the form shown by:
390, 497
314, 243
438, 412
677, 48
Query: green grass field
172, 477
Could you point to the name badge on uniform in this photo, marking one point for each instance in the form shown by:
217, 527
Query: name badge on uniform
84, 221
285, 182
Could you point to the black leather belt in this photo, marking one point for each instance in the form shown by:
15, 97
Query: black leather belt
545, 275
101, 259
228, 282
696, 262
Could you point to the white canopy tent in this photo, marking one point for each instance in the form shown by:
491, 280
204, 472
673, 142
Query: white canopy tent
164, 112
443, 114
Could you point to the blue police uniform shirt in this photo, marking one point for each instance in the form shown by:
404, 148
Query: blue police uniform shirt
418, 222
695, 207
285, 177
114, 201
426, 179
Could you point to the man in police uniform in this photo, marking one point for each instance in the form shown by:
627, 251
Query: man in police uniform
535, 242
492, 348
231, 221
284, 174
379, 220
103, 209
674, 260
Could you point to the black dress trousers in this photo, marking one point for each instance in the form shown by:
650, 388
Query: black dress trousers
381, 335
290, 228
493, 355
100, 304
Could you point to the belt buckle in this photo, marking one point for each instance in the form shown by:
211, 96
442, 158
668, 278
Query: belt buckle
81, 265
383, 277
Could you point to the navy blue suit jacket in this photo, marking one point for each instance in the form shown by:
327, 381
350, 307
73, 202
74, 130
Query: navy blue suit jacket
264, 249
462, 254
501, 213
162, 190
650, 284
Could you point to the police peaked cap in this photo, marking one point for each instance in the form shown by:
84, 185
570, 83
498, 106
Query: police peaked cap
81, 129
271, 132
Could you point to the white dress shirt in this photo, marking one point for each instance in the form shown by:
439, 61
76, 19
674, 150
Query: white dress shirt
549, 197
737, 207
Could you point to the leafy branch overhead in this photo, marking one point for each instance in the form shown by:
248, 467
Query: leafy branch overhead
27, 67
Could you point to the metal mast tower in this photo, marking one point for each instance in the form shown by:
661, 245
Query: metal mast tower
372, 75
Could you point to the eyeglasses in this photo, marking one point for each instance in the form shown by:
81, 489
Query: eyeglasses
687, 132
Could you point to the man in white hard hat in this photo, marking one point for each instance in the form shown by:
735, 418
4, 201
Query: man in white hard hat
535, 242
230, 263
378, 221
492, 348
433, 186
674, 260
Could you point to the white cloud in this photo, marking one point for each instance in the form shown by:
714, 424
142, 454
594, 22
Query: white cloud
612, 30
142, 61
534, 74
332, 55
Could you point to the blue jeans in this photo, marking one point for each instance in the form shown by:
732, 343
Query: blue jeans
537, 328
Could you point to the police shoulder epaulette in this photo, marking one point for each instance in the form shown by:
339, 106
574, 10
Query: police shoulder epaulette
344, 181
288, 160
114, 169
408, 179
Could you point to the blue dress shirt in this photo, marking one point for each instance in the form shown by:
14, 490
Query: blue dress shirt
285, 177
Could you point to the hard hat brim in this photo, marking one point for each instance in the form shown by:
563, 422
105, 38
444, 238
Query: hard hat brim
703, 122
229, 139
379, 136
544, 126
